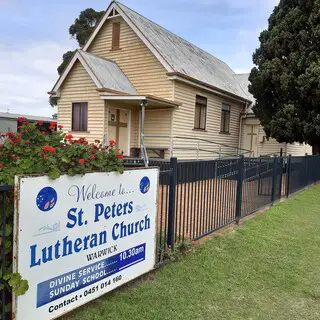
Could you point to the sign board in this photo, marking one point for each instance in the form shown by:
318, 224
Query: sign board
78, 238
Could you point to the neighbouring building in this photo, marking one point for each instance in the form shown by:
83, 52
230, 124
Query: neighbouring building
9, 121
156, 93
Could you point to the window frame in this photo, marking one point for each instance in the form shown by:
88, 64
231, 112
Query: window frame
82, 125
201, 106
225, 112
115, 41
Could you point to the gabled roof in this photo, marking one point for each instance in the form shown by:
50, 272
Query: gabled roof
106, 74
243, 80
176, 54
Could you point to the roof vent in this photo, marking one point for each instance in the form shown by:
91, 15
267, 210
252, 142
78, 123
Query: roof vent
114, 13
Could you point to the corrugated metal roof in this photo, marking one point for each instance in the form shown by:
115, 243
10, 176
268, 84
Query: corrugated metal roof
108, 73
243, 80
8, 115
185, 57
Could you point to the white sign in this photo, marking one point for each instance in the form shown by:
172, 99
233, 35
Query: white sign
80, 237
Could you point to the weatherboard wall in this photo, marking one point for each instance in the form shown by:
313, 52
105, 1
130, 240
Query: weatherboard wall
79, 87
142, 68
271, 146
183, 125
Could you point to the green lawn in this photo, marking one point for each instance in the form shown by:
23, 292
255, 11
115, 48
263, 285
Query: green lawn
267, 269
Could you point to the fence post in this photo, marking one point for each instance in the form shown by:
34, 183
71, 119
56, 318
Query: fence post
274, 179
281, 176
288, 176
259, 173
239, 188
172, 201
305, 170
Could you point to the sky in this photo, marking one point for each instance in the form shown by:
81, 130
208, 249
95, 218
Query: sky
35, 35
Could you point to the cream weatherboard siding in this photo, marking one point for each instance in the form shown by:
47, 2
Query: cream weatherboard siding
79, 87
158, 124
271, 146
297, 149
264, 147
187, 140
138, 63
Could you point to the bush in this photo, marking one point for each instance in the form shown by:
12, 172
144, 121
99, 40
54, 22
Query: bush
37, 150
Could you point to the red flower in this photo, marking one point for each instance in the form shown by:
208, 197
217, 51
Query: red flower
60, 127
112, 143
68, 137
92, 157
44, 155
49, 149
53, 123
27, 142
81, 161
1, 166
97, 141
120, 156
40, 122
21, 119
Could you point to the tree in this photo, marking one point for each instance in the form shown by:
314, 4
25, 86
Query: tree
286, 79
80, 30
83, 26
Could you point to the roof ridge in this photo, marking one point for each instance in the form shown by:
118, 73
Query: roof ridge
102, 58
176, 35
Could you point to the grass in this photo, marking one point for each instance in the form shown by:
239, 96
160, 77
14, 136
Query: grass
266, 269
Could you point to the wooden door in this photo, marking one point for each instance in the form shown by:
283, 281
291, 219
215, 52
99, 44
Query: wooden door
118, 129
251, 139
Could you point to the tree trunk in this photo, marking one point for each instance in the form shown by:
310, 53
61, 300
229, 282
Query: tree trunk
316, 148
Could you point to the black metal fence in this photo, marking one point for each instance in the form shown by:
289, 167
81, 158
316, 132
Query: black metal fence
197, 198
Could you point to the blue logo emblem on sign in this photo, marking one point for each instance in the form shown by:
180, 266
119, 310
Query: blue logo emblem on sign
144, 185
47, 199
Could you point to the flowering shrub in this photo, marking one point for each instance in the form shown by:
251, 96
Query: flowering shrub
33, 150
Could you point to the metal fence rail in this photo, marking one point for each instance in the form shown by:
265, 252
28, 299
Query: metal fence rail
197, 198
204, 196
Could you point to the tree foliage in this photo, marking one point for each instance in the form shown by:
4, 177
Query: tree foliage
83, 26
80, 30
286, 79
65, 61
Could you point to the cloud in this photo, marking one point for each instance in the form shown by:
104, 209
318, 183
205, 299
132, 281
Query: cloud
28, 71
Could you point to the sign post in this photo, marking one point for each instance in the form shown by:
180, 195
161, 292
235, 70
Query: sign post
78, 238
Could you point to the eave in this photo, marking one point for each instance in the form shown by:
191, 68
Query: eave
205, 86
